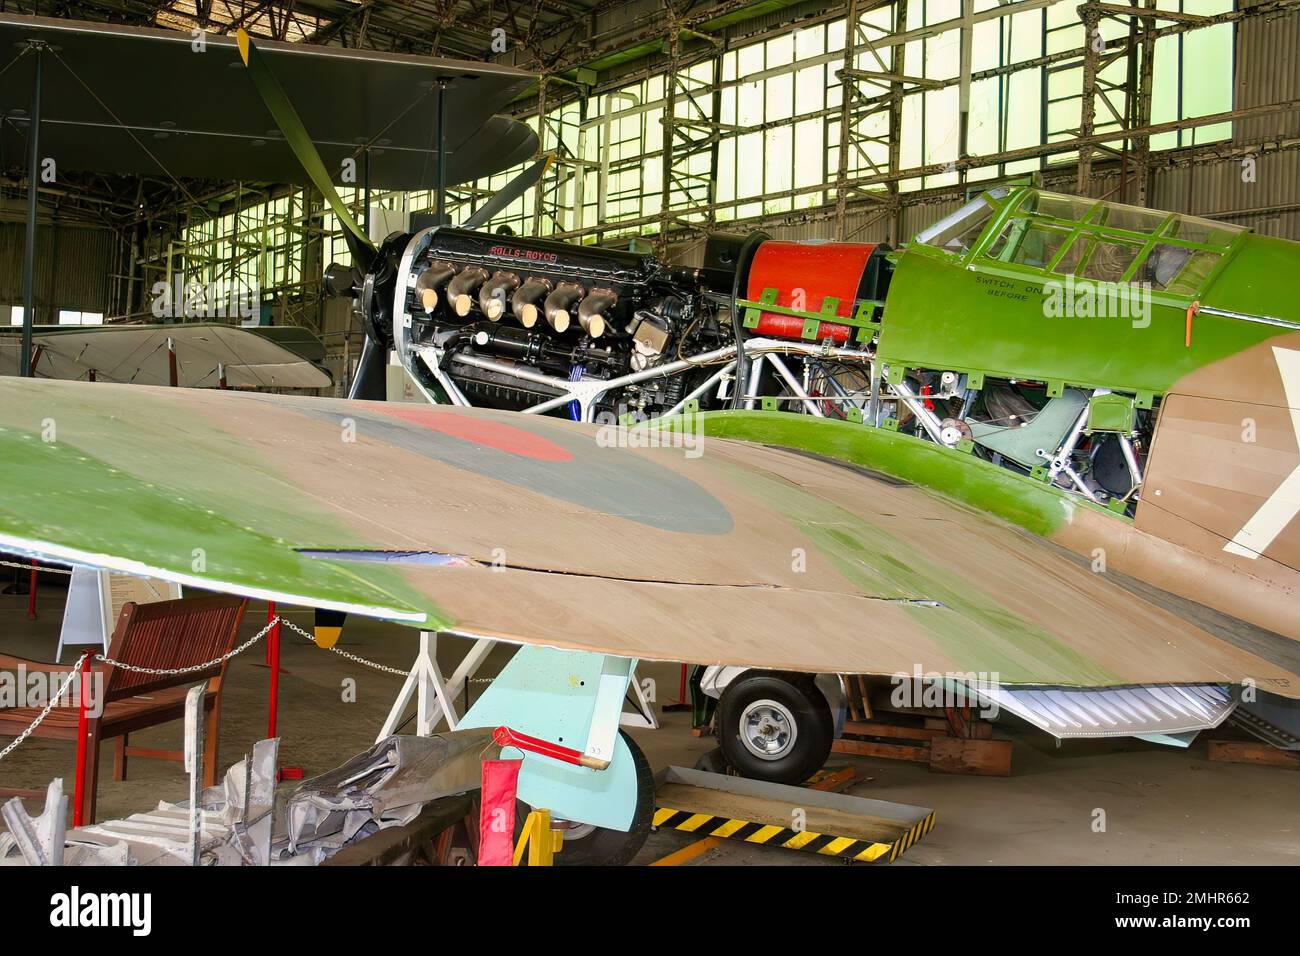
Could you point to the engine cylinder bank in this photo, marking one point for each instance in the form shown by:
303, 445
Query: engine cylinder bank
512, 321
528, 280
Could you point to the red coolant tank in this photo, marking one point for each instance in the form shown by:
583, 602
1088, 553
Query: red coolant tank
804, 274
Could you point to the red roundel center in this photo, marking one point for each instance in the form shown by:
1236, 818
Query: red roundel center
481, 431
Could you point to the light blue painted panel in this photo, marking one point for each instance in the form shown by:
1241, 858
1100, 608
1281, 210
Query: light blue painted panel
549, 694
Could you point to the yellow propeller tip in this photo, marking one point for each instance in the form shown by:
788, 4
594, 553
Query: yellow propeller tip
244, 41
327, 636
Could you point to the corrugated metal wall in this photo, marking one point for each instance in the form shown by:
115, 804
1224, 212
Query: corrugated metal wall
1268, 71
1269, 204
74, 266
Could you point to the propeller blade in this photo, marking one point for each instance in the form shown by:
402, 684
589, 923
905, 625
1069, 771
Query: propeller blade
369, 382
295, 134
509, 192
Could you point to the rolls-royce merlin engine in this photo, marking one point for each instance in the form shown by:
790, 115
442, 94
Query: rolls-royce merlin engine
515, 323
599, 334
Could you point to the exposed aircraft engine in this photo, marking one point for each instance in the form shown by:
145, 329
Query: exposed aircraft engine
509, 322
602, 334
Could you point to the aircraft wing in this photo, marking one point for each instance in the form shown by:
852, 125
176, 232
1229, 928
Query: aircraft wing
530, 529
137, 354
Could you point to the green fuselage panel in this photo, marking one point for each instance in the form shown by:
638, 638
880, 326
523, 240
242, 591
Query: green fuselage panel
944, 313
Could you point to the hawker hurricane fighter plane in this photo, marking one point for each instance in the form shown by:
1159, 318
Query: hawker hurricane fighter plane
1123, 382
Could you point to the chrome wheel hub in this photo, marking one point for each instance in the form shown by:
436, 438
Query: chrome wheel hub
767, 729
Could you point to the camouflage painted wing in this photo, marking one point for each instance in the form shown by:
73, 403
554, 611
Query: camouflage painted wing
530, 530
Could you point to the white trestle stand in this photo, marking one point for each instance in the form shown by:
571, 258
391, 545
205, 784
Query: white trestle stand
435, 698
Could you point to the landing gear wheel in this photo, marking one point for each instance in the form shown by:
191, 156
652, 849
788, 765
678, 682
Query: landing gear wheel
587, 845
775, 726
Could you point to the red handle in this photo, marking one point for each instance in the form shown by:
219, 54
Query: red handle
512, 738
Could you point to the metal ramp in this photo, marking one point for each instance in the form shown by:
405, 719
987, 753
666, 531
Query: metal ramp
855, 829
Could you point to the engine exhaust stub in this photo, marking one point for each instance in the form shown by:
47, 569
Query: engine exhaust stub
591, 313
495, 294
431, 280
460, 290
559, 305
525, 304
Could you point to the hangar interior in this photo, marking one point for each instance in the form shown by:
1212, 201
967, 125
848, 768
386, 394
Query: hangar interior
629, 90
644, 130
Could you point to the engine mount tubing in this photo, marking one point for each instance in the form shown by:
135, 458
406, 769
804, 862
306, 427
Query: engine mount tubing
460, 290
558, 304
521, 372
929, 421
726, 353
795, 386
431, 280
493, 296
1130, 459
755, 379
591, 313
432, 357
700, 389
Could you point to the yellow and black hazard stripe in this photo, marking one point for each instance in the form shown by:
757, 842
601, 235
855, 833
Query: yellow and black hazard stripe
826, 844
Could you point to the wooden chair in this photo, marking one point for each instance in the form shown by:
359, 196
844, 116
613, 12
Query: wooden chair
163, 634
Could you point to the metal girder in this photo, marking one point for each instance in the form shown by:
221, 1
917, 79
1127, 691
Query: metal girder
682, 136
1149, 13
889, 79
1088, 104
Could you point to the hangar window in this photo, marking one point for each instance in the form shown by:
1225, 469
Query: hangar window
77, 317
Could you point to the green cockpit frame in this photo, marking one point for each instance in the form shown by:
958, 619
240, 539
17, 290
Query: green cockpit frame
1027, 231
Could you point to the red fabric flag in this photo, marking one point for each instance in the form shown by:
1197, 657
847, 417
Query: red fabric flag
496, 817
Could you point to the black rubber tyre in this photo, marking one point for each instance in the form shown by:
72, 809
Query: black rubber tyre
796, 699
602, 847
